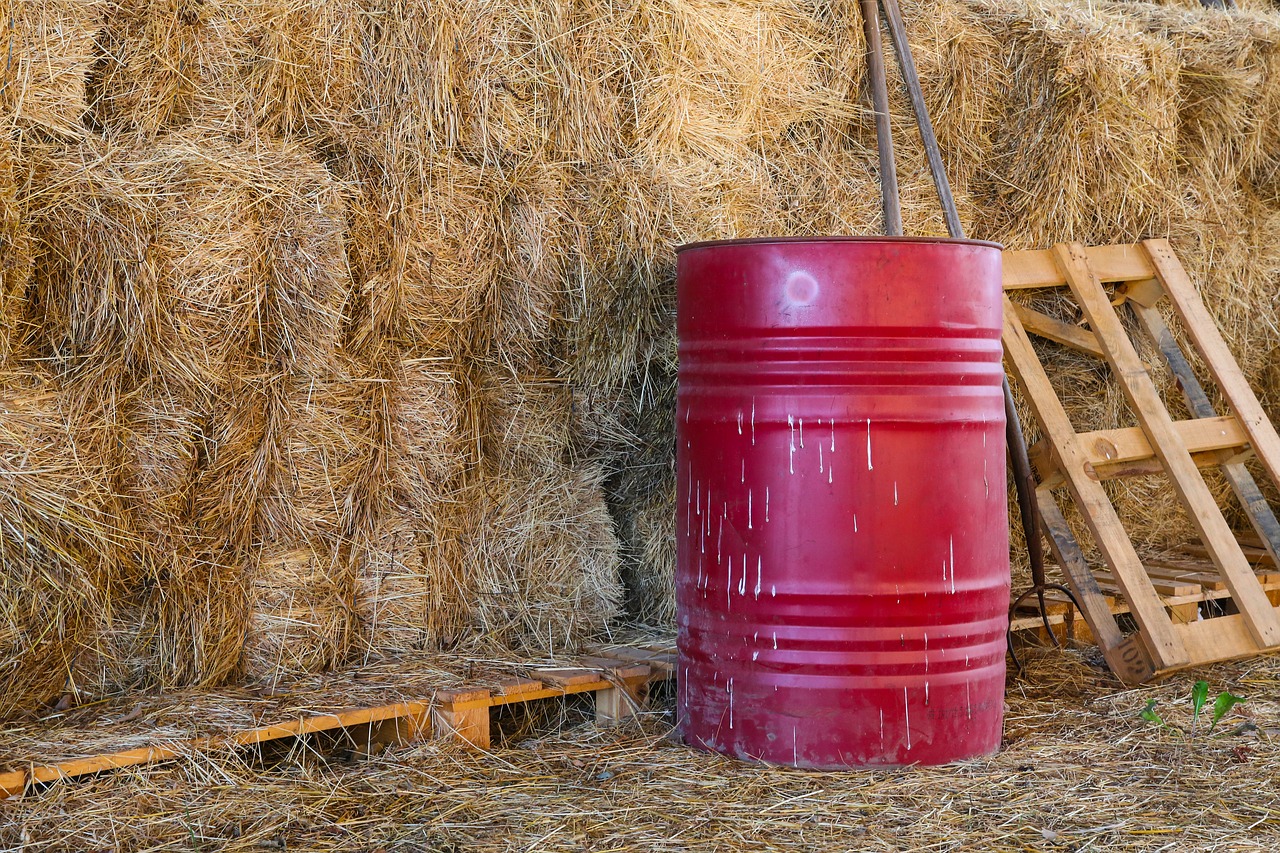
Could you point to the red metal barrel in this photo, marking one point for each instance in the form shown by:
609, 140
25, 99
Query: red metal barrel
843, 574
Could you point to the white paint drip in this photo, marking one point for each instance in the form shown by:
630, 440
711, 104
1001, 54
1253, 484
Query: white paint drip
968, 705
953, 565
855, 522
719, 538
698, 508
755, 656
728, 585
906, 709
795, 749
833, 435
926, 693
791, 458
759, 567
744, 471
802, 433
819, 458
773, 590
881, 726
897, 590
829, 472
895, 492
749, 527
739, 422
731, 702
869, 465
742, 584
775, 640
926, 652
766, 504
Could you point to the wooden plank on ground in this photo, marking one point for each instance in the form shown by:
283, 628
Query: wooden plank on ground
1190, 486
1165, 647
1217, 356
566, 677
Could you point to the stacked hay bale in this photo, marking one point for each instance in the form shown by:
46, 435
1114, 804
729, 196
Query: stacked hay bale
190, 294
362, 312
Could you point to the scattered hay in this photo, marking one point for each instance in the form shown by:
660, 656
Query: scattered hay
1079, 767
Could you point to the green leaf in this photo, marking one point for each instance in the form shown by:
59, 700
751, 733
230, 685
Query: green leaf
1224, 703
1149, 713
1199, 695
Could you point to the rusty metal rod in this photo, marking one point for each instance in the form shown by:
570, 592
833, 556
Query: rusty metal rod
898, 35
889, 200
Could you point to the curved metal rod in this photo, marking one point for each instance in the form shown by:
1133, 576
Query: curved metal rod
1039, 590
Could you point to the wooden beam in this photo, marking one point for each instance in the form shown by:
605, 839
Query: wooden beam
1111, 453
1166, 649
1217, 639
1213, 349
1026, 270
1187, 482
1130, 661
1044, 326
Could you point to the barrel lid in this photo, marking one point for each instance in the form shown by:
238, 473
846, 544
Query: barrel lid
750, 241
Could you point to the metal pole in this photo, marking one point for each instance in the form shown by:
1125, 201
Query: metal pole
1023, 477
880, 103
898, 35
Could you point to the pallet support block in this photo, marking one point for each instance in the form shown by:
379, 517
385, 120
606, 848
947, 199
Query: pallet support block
462, 715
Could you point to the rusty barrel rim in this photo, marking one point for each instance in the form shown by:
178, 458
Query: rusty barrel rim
759, 241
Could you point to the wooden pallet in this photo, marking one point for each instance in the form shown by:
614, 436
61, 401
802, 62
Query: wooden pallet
618, 677
1184, 581
1145, 275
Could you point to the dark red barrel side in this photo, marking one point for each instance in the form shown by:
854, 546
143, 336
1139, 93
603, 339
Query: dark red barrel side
843, 576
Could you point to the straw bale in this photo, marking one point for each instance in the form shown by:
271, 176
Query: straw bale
621, 295
1226, 63
427, 423
521, 419
244, 67
538, 77
15, 255
425, 249
57, 528
318, 442
182, 256
411, 593
157, 58
303, 610
540, 557
720, 79
49, 48
647, 528
161, 442
1086, 149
